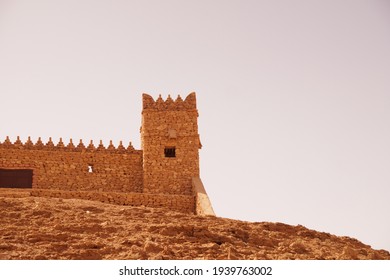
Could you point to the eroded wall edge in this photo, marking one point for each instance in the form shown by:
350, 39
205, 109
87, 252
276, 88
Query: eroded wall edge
202, 202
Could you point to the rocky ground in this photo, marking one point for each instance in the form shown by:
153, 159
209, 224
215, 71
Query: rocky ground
49, 228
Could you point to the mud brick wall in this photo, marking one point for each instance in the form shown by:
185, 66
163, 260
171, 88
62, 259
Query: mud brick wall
170, 124
150, 177
68, 167
180, 203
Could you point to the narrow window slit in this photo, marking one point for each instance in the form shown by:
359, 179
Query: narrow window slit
170, 151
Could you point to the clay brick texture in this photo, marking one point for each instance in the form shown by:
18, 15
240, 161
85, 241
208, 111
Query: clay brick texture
65, 168
159, 175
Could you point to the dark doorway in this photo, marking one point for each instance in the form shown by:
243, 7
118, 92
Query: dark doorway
16, 178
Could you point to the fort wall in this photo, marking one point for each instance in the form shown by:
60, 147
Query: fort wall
76, 168
180, 203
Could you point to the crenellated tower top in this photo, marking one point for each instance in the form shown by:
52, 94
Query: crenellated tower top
189, 103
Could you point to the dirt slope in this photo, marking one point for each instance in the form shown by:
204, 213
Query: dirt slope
48, 228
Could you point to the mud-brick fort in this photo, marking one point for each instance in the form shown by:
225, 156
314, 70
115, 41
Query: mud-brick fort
164, 173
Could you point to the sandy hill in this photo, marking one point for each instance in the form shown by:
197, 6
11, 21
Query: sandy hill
49, 228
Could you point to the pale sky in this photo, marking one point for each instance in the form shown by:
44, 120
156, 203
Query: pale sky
293, 96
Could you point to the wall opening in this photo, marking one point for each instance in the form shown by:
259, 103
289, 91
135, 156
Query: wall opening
170, 151
90, 168
16, 178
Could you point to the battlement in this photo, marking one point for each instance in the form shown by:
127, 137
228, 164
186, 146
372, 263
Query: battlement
189, 103
70, 147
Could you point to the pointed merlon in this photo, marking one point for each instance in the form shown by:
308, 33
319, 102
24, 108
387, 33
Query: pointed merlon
60, 143
160, 104
169, 103
7, 141
179, 99
101, 146
91, 146
169, 99
130, 147
80, 146
111, 147
71, 145
159, 99
179, 102
18, 142
39, 143
29, 140
121, 148
50, 144
29, 143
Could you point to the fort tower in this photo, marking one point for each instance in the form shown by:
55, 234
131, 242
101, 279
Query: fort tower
170, 144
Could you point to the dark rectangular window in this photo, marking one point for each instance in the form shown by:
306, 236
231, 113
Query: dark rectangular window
170, 152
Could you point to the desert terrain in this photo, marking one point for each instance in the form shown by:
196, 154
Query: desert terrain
51, 228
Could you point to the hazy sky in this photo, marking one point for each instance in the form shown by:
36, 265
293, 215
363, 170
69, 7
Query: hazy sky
293, 96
